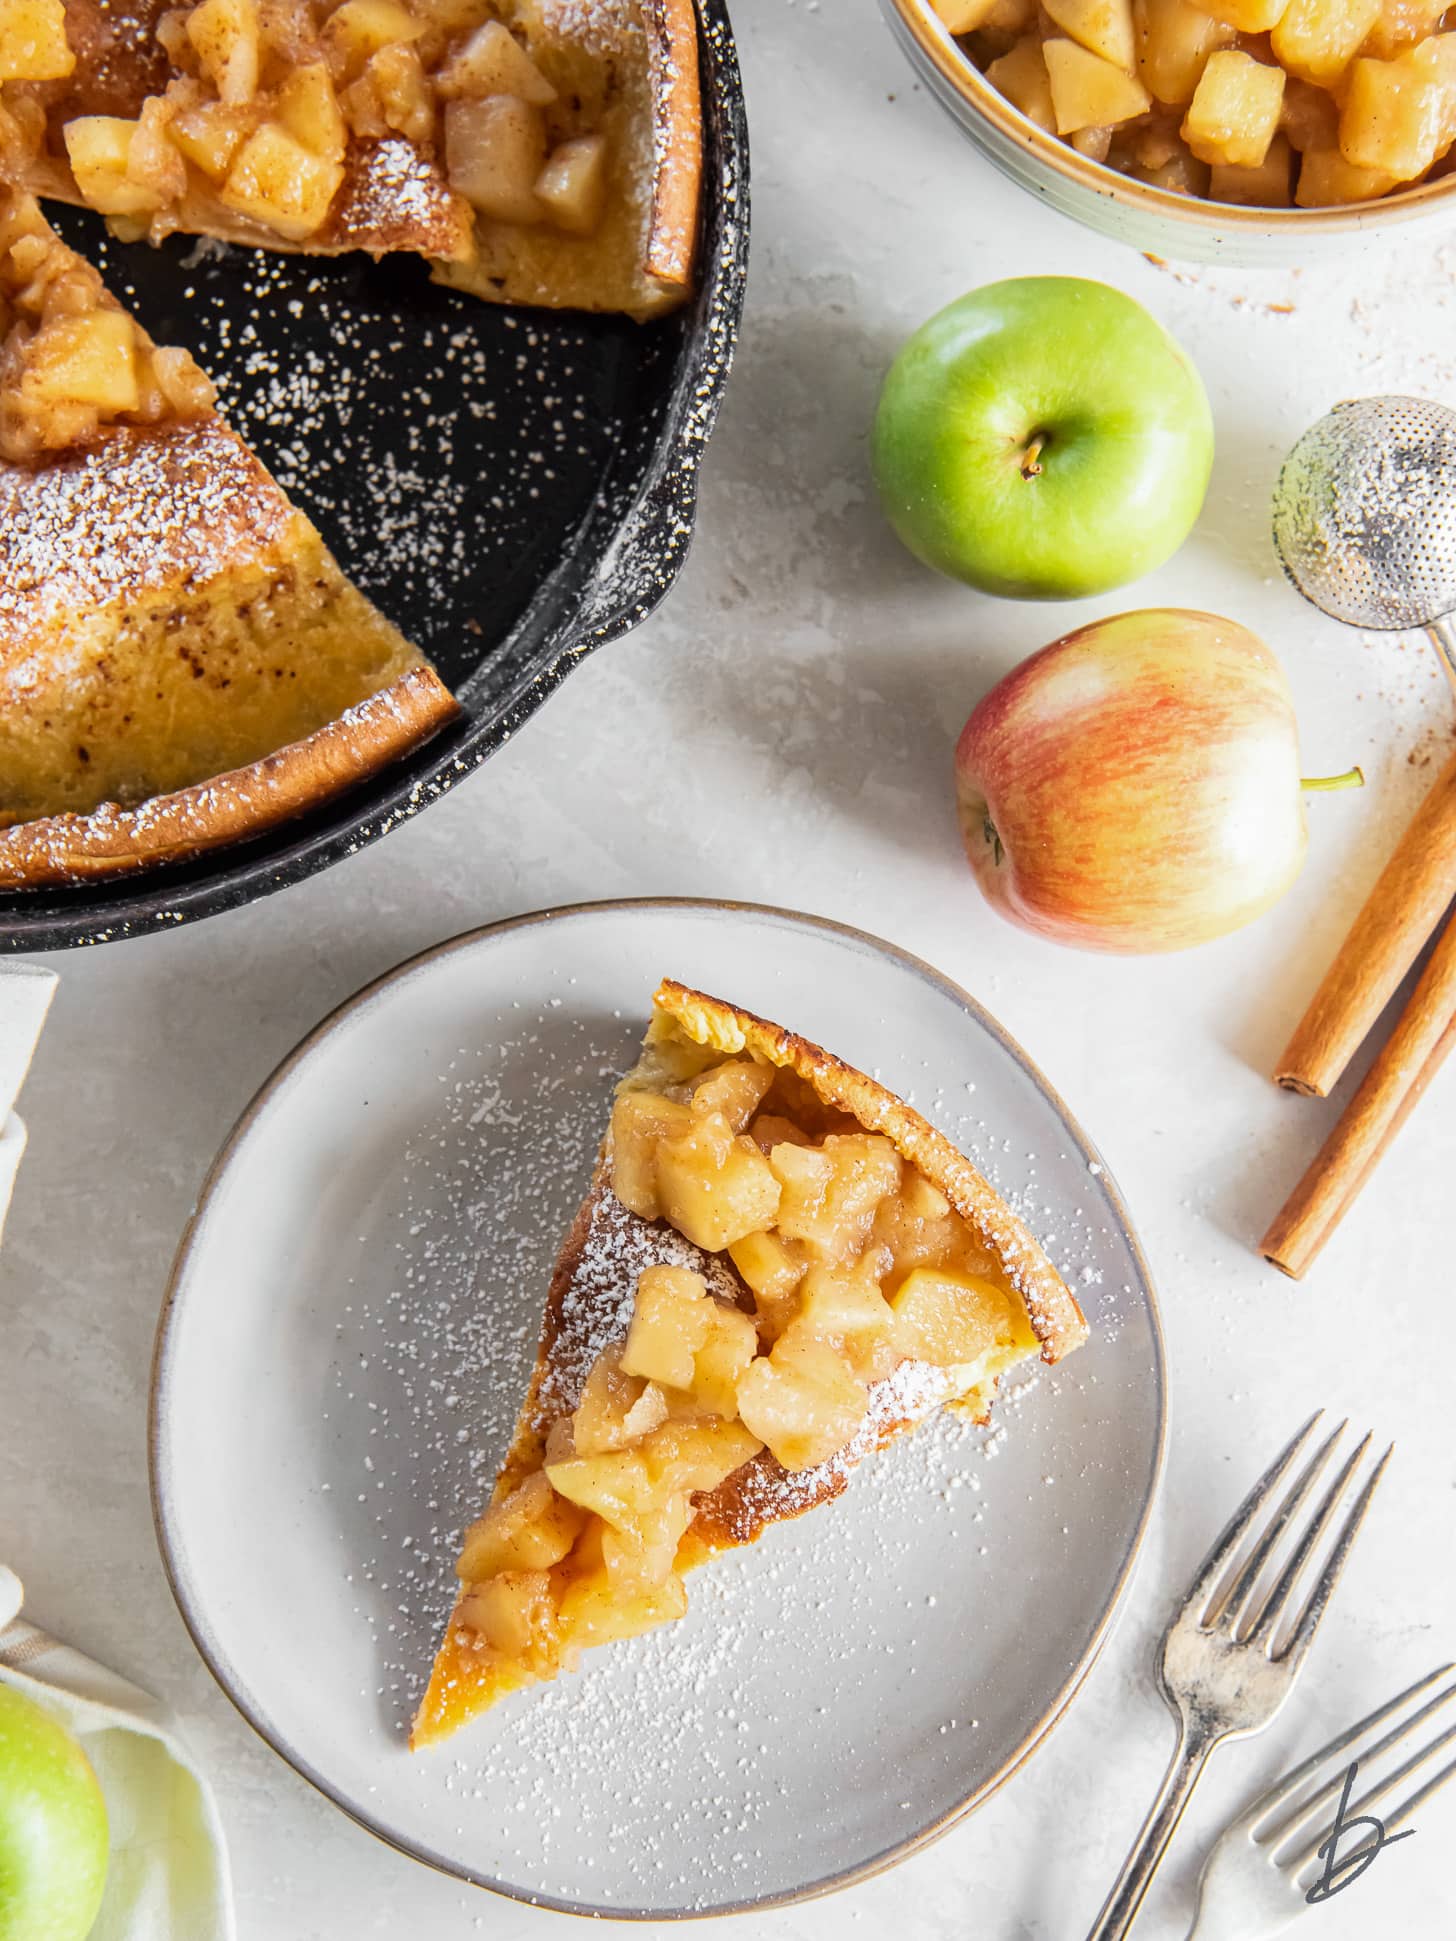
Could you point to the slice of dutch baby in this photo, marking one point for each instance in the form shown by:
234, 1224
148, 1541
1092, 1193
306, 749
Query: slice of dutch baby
779, 1267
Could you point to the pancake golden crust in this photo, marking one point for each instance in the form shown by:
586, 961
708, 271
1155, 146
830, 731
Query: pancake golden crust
677, 139
112, 841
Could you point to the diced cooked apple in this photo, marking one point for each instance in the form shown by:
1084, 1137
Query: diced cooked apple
362, 109
770, 1269
99, 149
1326, 180
531, 1529
715, 1187
670, 1322
1396, 114
738, 1088
640, 1558
918, 1224
1310, 118
33, 43
1315, 40
1234, 113
1102, 26
962, 16
1021, 76
276, 181
513, 1613
210, 136
494, 153
616, 1486
1088, 92
225, 36
730, 1345
1399, 24
493, 61
153, 164
1180, 174
1174, 40
596, 1611
1264, 187
616, 1409
357, 30
639, 1121
803, 1400
949, 1319
308, 108
772, 1129
1094, 143
831, 1193
697, 1456
1140, 145
1248, 16
404, 94
849, 1311
839, 1305
88, 360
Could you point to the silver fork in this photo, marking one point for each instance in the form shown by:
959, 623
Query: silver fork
1251, 1887
1226, 1670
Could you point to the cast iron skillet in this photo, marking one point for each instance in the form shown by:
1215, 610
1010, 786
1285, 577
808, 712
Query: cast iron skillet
514, 488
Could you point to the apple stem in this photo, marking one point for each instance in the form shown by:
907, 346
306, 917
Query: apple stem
1353, 778
1031, 457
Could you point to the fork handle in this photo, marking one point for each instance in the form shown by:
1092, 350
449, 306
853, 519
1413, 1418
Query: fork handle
1121, 1906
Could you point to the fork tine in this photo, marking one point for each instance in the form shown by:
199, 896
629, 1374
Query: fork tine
1215, 1563
1373, 1795
1236, 1602
1318, 1600
1264, 1624
1419, 1797
1257, 1816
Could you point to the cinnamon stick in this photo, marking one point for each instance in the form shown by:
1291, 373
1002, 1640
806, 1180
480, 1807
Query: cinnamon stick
1424, 1034
1406, 904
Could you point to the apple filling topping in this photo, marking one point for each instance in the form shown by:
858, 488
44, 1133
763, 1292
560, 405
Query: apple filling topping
850, 1263
268, 95
72, 362
1266, 103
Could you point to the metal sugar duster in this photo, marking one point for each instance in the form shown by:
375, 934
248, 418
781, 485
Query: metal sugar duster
1365, 517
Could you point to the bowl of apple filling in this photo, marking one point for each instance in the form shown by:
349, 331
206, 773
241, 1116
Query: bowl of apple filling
1218, 130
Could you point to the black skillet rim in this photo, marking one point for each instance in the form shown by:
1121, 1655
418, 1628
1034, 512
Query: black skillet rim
635, 557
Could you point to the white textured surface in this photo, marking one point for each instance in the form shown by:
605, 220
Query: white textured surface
781, 732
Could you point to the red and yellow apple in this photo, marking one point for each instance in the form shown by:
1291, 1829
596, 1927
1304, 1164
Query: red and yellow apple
1135, 786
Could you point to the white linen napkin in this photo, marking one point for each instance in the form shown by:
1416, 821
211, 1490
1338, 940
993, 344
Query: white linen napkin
25, 996
167, 1879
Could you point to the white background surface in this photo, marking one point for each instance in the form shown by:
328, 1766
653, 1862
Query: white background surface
782, 732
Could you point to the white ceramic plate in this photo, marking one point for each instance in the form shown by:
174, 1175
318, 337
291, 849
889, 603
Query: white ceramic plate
350, 1327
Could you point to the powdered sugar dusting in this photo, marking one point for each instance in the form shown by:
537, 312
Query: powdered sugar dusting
143, 510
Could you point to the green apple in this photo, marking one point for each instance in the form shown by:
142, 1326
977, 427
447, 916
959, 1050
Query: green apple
53, 1833
1043, 438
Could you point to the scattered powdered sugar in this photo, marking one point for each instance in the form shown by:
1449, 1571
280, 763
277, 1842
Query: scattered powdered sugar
449, 450
847, 1654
